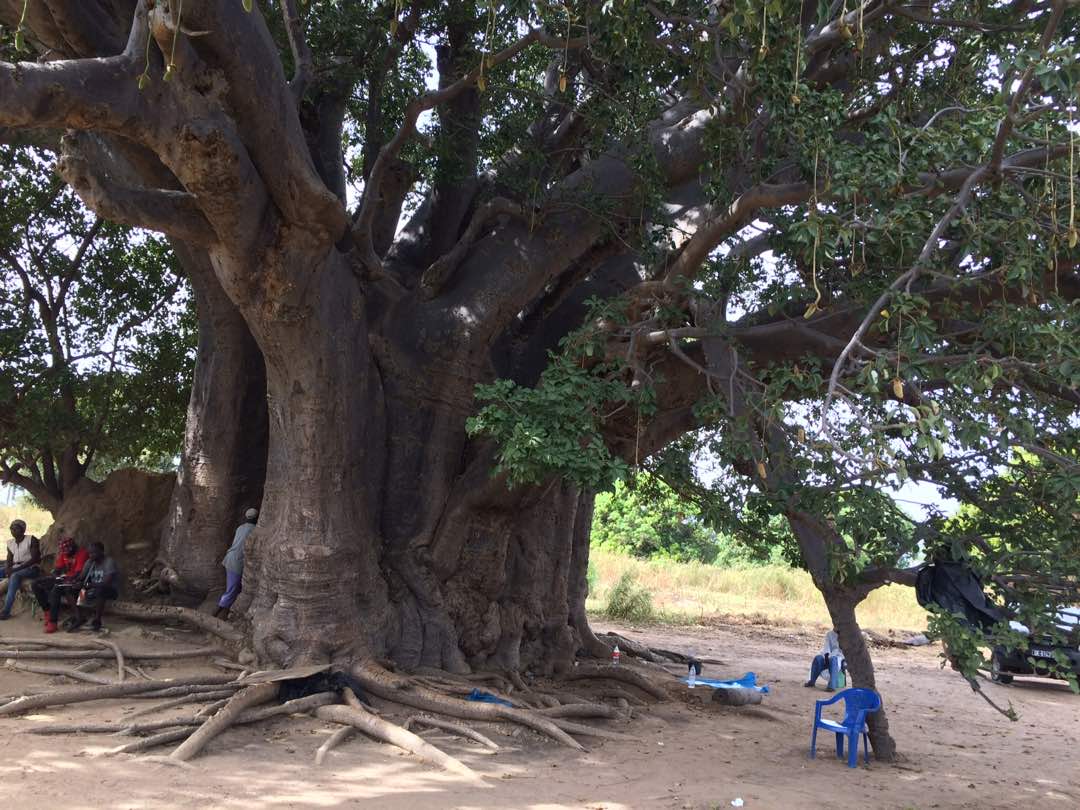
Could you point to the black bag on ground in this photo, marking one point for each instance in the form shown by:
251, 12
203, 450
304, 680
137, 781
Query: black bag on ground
332, 681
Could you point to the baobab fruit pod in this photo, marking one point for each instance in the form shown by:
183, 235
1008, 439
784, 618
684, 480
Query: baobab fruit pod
801, 434
898, 388
761, 471
249, 5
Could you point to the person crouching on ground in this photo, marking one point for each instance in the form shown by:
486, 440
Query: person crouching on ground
98, 584
50, 590
23, 557
234, 564
830, 659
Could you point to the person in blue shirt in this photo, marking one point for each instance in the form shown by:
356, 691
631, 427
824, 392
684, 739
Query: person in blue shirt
234, 564
99, 582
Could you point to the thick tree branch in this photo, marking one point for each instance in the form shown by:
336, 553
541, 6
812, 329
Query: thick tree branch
266, 121
439, 273
738, 214
174, 213
86, 94
373, 194
301, 53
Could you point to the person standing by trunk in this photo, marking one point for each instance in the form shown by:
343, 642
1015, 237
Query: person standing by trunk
23, 558
70, 561
234, 564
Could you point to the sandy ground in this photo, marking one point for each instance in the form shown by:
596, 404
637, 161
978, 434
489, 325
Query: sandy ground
959, 753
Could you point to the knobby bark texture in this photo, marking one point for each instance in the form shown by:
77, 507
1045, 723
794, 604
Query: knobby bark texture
223, 463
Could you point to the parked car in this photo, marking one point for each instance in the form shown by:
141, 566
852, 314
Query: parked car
1039, 657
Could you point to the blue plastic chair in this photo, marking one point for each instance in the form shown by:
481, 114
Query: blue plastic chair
858, 703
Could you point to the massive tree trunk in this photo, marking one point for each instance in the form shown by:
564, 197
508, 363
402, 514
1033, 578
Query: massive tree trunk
223, 463
383, 532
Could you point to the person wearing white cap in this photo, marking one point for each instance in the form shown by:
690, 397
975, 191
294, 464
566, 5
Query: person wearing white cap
234, 564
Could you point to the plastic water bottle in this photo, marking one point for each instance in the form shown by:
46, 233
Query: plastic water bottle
615, 655
691, 677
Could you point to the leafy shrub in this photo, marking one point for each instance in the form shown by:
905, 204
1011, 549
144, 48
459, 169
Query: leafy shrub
629, 601
592, 578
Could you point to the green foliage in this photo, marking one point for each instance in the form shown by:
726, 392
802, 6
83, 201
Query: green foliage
556, 426
969, 353
629, 601
646, 518
96, 335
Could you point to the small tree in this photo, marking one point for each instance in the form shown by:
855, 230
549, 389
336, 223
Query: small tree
96, 349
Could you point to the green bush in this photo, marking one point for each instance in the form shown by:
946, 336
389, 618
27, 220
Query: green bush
629, 601
592, 578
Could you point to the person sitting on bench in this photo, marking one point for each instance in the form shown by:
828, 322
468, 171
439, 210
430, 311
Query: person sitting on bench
98, 584
831, 660
23, 556
70, 561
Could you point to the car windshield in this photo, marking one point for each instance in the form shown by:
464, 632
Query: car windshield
1066, 618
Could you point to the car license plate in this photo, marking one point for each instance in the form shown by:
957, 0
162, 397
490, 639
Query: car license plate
1042, 653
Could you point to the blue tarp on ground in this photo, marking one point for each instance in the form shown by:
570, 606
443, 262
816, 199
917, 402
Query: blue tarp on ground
747, 681
487, 697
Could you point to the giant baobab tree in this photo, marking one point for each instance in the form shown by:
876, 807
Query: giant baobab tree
785, 205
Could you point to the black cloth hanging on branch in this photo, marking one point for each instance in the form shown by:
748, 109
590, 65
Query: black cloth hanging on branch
955, 588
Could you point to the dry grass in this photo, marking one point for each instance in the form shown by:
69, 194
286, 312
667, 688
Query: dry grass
37, 520
688, 592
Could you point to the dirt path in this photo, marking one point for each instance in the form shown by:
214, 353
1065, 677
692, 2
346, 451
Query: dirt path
959, 753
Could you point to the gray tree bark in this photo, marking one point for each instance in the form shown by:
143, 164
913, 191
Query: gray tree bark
223, 463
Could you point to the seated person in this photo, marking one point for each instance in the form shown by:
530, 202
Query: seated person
23, 556
98, 583
70, 560
831, 659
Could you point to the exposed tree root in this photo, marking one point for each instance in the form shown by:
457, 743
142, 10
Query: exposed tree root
198, 697
225, 664
81, 694
491, 677
517, 681
655, 655
189, 724
64, 672
615, 693
208, 711
623, 674
196, 689
146, 743
387, 732
405, 691
582, 710
82, 644
590, 731
118, 653
66, 655
460, 729
451, 688
332, 742
111, 728
203, 621
244, 699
